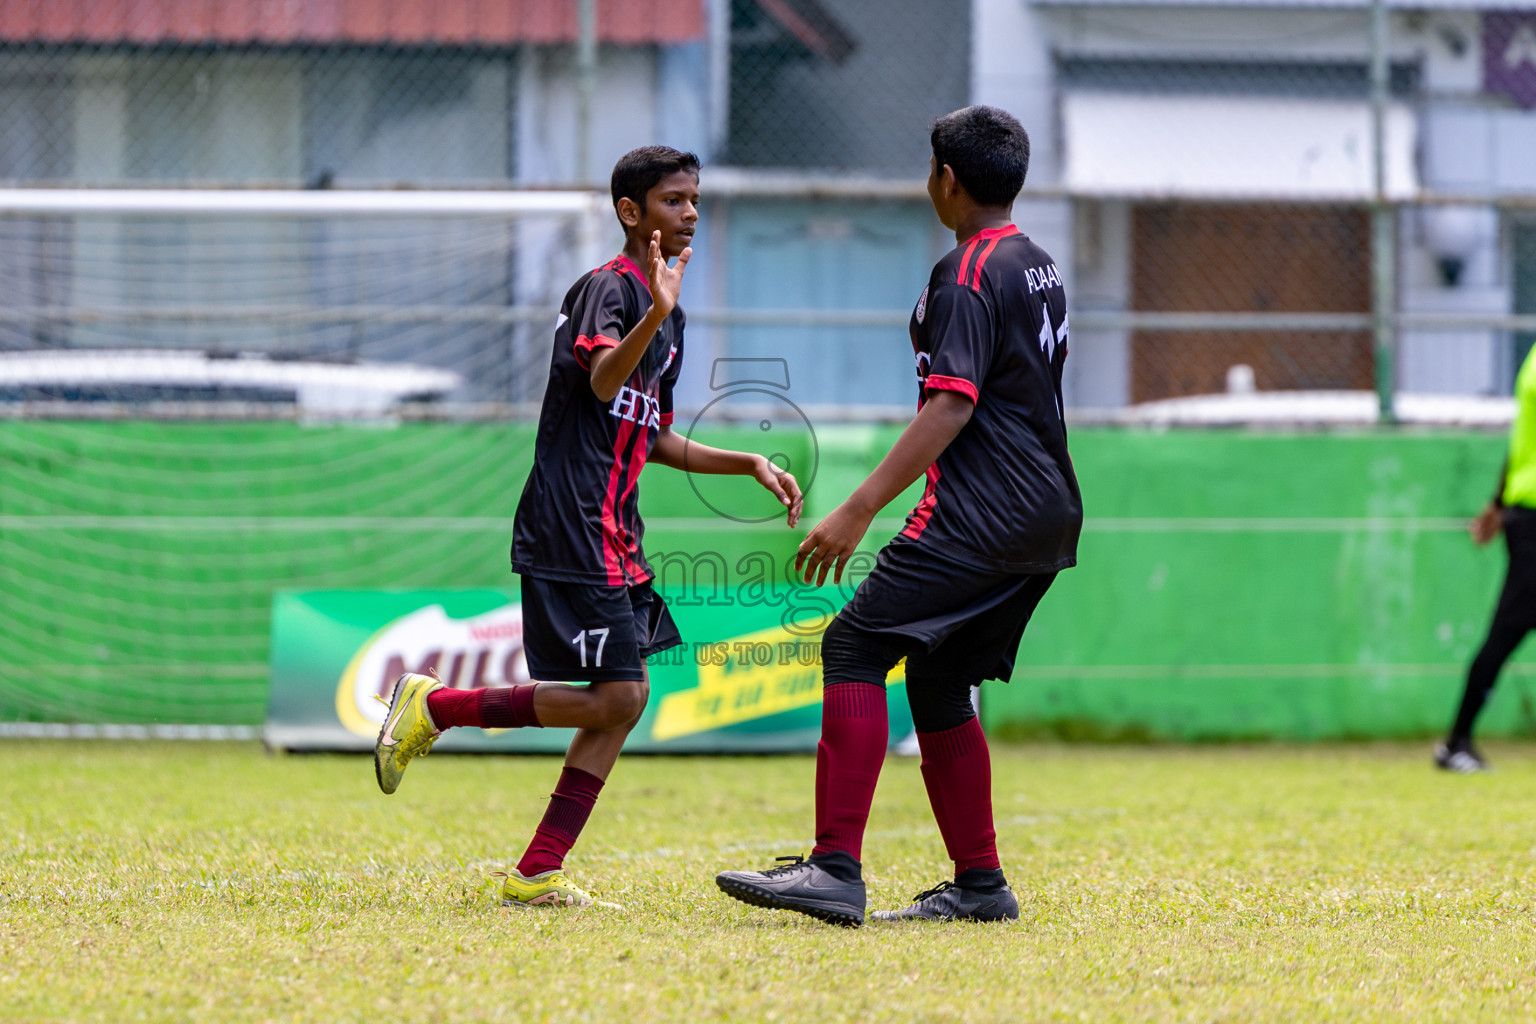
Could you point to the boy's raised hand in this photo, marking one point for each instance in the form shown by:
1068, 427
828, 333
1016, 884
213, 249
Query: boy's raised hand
666, 282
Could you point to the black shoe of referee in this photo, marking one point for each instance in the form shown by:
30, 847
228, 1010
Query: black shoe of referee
804, 886
1461, 757
976, 895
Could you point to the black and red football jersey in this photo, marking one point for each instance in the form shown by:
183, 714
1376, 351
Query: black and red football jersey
579, 517
992, 325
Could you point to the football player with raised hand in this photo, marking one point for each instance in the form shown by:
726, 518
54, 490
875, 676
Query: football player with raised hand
590, 614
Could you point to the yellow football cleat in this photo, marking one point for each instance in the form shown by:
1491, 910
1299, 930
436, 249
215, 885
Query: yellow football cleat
408, 730
546, 889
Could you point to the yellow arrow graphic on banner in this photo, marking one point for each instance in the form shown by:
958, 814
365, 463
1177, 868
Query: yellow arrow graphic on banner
744, 678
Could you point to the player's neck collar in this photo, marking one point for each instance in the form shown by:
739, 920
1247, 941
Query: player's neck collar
990, 233
624, 265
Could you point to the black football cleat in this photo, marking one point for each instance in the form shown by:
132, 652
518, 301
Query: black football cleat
1461, 757
799, 885
950, 902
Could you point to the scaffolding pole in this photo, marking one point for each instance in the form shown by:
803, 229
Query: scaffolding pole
586, 86
1383, 224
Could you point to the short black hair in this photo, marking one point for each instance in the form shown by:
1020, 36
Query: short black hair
638, 171
988, 150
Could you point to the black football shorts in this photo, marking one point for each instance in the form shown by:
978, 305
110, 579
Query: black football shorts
585, 632
951, 619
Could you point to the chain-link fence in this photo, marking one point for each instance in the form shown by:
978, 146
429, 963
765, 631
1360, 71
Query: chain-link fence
248, 211
1206, 178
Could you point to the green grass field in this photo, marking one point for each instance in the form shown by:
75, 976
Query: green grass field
212, 882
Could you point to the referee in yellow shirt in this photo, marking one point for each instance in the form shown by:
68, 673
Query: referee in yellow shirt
1512, 511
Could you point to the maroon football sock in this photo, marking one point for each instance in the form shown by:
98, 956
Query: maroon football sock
854, 735
569, 806
957, 770
501, 707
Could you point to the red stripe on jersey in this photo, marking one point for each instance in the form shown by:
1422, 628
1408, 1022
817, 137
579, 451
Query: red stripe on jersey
613, 554
991, 236
637, 458
975, 281
917, 521
938, 382
970, 250
584, 346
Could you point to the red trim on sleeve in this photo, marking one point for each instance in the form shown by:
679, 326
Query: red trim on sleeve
584, 346
666, 419
938, 382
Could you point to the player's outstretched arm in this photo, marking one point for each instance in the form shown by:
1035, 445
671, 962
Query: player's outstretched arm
1490, 520
833, 540
1487, 524
611, 367
672, 449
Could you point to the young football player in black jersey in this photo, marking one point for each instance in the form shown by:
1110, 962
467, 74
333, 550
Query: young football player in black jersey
590, 614
953, 592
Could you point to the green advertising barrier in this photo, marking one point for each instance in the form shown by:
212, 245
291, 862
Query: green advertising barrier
1285, 584
1239, 585
742, 681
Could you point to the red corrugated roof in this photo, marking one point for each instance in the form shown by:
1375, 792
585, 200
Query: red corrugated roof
378, 22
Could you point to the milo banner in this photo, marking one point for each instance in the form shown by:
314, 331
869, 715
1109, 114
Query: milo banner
746, 679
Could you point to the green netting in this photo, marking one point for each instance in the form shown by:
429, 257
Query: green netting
138, 560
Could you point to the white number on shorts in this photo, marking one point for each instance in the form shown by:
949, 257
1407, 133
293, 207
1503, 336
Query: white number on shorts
580, 640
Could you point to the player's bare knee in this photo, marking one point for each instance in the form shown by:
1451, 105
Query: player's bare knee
620, 702
640, 695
